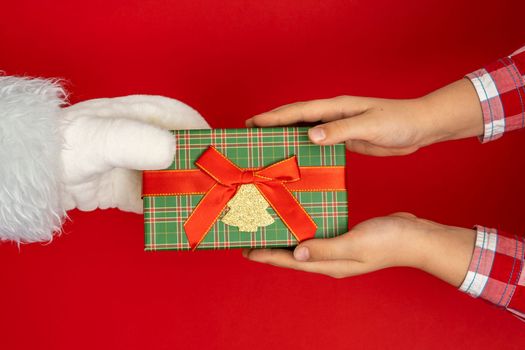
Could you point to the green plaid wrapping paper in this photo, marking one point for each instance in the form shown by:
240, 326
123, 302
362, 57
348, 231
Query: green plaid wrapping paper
164, 216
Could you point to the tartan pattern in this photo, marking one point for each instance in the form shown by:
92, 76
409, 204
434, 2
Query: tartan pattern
501, 90
496, 270
164, 216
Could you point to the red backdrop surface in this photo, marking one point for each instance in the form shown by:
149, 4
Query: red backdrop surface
95, 287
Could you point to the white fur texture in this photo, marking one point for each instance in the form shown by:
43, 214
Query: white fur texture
107, 140
30, 206
85, 156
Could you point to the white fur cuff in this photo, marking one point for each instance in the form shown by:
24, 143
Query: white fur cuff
30, 206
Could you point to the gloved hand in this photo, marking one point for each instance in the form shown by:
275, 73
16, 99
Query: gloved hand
107, 141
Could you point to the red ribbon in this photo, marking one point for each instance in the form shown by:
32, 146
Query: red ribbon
195, 181
218, 178
269, 181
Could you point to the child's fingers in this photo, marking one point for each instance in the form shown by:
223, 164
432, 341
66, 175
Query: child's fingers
361, 127
364, 147
311, 111
284, 258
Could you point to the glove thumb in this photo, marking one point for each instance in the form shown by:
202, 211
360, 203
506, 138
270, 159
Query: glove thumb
94, 145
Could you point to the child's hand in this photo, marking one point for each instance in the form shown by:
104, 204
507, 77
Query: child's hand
383, 127
400, 239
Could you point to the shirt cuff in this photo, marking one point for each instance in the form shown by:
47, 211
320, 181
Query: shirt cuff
495, 271
501, 91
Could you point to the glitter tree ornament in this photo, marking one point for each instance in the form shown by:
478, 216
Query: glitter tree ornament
247, 210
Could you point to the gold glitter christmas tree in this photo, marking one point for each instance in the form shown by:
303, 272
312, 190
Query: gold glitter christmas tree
247, 210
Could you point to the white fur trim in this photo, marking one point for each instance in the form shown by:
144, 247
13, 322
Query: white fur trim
30, 205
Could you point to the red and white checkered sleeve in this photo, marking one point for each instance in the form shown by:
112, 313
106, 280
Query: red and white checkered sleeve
501, 91
496, 270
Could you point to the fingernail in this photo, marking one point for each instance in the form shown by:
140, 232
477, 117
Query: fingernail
245, 252
301, 253
317, 134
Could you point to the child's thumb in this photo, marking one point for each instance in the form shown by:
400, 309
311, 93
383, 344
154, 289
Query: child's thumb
341, 130
324, 249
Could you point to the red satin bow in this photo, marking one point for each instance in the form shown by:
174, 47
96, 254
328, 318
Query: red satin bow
268, 180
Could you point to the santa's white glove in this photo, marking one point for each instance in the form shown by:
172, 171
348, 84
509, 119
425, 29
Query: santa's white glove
106, 142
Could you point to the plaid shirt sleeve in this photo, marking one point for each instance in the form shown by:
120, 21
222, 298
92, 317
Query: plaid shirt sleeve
496, 270
501, 91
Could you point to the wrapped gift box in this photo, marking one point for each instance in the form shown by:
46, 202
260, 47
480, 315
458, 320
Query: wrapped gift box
233, 188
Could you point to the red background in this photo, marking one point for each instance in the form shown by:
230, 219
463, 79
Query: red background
94, 287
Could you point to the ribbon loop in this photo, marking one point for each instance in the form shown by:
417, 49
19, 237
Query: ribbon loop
220, 168
286, 170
